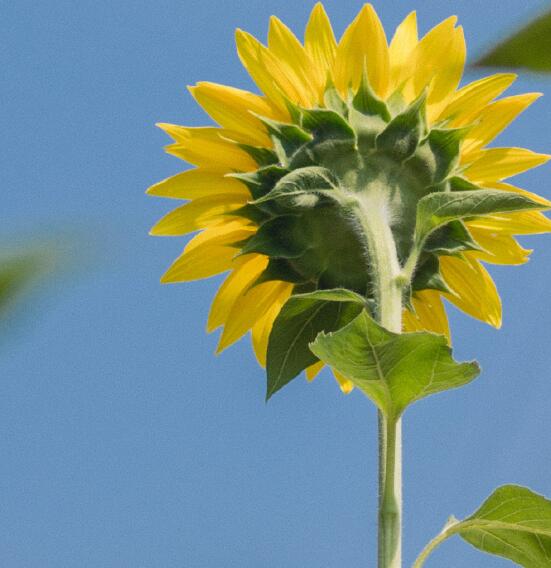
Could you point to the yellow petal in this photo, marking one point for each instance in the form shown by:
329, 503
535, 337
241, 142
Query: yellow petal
210, 252
509, 187
199, 183
496, 164
319, 41
232, 108
247, 269
262, 328
249, 308
494, 119
473, 289
363, 42
314, 370
266, 71
206, 147
345, 384
297, 63
401, 51
200, 264
197, 214
430, 314
436, 60
221, 232
523, 223
499, 247
468, 101
447, 77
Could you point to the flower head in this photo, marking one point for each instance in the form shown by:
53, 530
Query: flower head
361, 122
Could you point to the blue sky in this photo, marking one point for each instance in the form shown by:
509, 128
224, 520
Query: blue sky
124, 442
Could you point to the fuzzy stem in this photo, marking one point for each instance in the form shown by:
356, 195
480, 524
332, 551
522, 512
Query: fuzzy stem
370, 212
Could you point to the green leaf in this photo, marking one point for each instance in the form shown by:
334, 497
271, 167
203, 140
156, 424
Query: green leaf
393, 370
437, 209
514, 522
299, 322
293, 188
530, 47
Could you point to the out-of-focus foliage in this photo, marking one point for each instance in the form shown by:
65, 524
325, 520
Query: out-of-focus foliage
19, 271
528, 48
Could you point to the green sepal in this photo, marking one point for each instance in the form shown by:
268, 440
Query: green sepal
403, 133
298, 323
251, 213
308, 181
392, 369
262, 156
438, 209
261, 181
278, 238
281, 269
287, 138
333, 100
451, 239
445, 145
396, 102
338, 155
427, 275
423, 165
458, 183
326, 124
367, 102
295, 111
367, 128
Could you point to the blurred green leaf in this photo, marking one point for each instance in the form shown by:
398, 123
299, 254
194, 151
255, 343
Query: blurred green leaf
18, 273
529, 48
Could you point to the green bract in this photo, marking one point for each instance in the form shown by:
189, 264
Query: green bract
362, 153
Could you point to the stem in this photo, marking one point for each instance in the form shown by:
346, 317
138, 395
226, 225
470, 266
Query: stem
390, 493
370, 210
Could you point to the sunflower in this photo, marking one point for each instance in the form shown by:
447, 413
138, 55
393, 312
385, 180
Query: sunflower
361, 114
